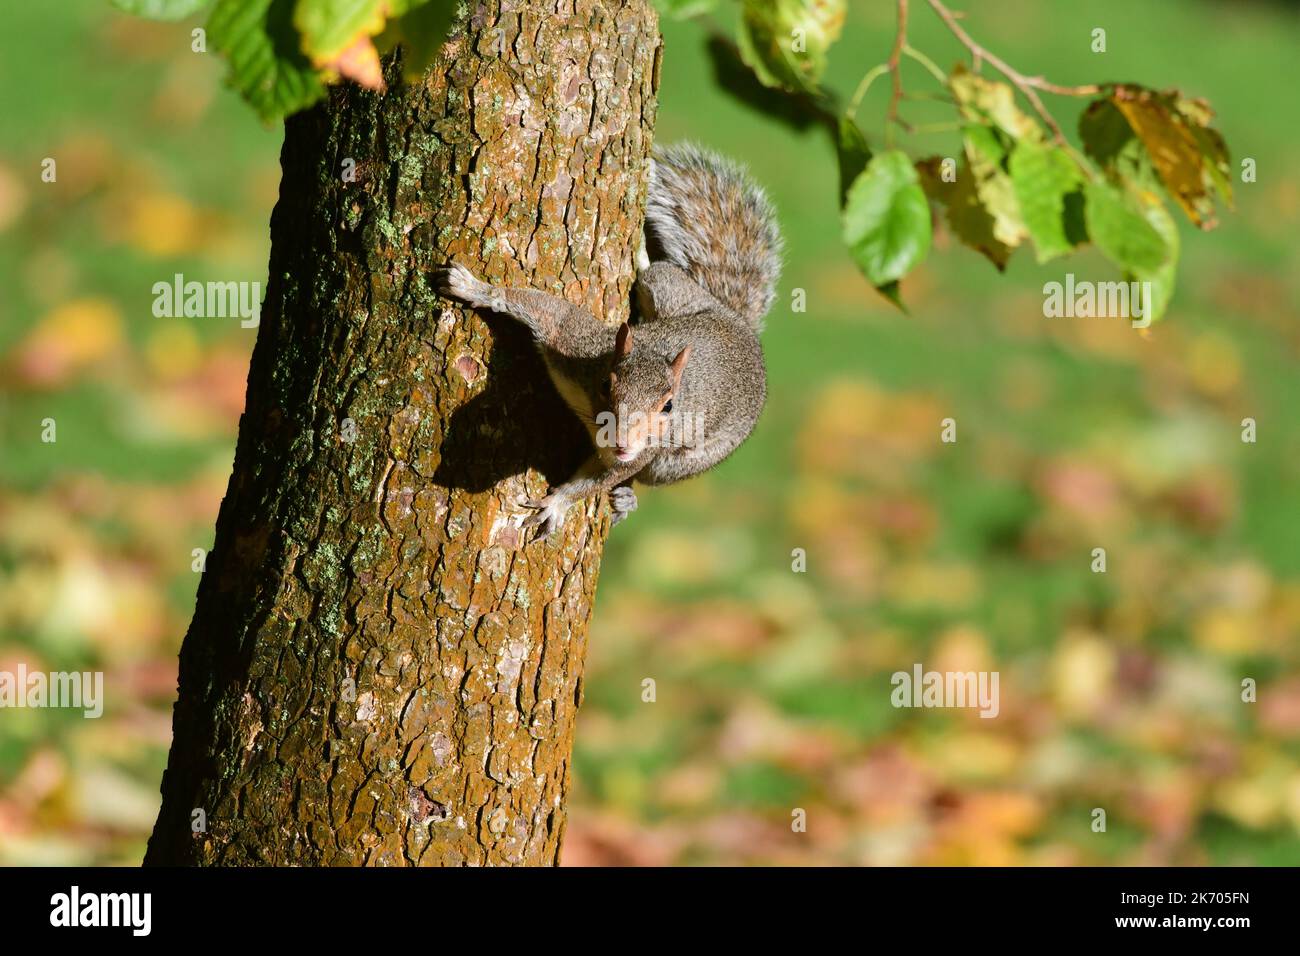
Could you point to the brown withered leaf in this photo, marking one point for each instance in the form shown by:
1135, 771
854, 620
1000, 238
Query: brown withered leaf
1175, 150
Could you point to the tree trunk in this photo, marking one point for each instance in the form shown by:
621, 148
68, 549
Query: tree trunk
382, 668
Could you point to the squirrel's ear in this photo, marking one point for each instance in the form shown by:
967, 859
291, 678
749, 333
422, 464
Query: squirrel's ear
623, 342
678, 365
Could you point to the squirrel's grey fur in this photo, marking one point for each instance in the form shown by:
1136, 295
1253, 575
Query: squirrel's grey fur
707, 277
712, 221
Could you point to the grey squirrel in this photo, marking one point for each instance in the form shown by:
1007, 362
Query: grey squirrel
676, 393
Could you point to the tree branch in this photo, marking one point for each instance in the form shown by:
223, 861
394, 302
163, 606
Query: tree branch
895, 72
1028, 85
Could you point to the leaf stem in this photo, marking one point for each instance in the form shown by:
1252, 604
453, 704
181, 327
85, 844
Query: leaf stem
896, 74
926, 62
1028, 85
865, 84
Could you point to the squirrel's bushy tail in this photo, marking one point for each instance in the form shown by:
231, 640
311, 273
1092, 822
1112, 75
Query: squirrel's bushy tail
709, 218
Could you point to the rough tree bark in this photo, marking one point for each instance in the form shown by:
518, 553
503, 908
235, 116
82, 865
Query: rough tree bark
382, 669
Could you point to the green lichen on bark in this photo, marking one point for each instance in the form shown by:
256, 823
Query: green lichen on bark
381, 669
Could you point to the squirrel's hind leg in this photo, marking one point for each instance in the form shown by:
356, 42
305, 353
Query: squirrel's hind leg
665, 291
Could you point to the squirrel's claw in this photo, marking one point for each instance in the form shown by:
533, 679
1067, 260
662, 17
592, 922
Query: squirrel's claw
549, 514
623, 500
456, 282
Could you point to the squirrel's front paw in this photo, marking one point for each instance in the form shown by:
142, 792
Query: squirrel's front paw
623, 500
549, 514
457, 282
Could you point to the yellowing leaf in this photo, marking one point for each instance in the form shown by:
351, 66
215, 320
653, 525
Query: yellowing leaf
1174, 150
967, 218
785, 42
330, 28
990, 102
985, 154
359, 62
1214, 150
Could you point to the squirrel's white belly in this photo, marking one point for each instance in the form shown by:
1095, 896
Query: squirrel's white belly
576, 398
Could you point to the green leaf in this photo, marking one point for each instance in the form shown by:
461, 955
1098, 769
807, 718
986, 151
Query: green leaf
161, 9
985, 153
1105, 133
969, 221
886, 219
328, 27
785, 42
1043, 176
421, 30
1162, 279
1122, 231
267, 65
892, 292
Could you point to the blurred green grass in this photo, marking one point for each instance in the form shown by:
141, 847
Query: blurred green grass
1119, 690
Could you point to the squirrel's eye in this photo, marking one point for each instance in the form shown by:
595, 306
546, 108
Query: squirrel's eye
668, 406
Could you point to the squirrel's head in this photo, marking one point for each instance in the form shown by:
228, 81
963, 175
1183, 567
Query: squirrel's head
640, 394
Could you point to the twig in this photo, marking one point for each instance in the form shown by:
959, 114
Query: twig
895, 57
1028, 85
